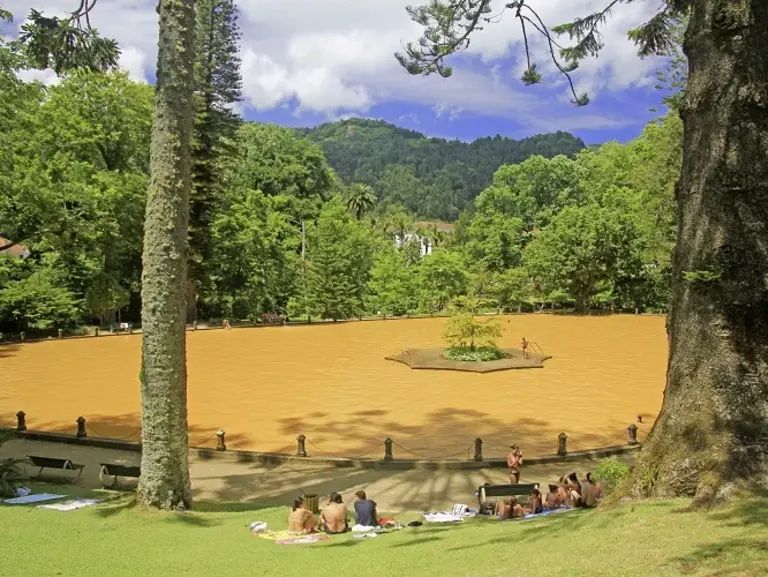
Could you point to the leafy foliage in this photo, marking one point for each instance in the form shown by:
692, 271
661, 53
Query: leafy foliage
463, 331
449, 25
11, 472
477, 354
611, 472
67, 44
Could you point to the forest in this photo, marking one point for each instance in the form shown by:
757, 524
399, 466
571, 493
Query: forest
590, 229
346, 219
433, 178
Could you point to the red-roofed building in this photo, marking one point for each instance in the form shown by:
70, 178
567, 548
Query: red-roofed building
17, 250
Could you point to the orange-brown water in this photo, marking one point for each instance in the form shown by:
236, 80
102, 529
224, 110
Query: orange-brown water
264, 386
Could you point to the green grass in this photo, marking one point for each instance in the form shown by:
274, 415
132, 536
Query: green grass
643, 539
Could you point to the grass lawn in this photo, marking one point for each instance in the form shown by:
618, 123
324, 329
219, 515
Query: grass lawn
642, 539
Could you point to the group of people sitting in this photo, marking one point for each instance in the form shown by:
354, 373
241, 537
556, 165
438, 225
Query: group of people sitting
334, 518
568, 492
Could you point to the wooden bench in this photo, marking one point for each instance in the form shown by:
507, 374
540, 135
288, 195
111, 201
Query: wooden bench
114, 470
485, 491
55, 463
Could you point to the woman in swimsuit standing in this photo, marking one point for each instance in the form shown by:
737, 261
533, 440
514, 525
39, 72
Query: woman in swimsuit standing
514, 462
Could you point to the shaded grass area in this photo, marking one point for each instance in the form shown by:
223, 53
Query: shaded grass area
648, 538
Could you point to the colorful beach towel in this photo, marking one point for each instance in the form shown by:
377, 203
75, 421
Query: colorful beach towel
285, 538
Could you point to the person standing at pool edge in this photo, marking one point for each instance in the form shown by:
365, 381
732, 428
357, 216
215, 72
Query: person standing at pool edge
524, 346
514, 462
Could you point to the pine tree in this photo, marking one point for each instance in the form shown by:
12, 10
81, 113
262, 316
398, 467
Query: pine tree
218, 84
340, 259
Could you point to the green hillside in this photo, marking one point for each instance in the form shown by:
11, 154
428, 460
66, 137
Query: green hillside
432, 177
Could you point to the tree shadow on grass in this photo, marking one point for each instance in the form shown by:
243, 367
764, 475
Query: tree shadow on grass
229, 507
750, 511
416, 541
116, 506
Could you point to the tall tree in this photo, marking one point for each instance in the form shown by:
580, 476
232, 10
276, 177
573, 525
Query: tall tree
360, 200
218, 83
164, 481
714, 416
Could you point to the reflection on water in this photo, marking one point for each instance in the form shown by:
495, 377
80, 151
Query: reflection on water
264, 386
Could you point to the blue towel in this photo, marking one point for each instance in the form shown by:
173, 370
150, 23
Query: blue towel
33, 499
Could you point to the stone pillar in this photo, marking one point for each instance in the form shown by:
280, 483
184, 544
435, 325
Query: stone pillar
388, 449
81, 428
61, 333
21, 421
478, 449
562, 440
194, 326
96, 332
23, 336
301, 450
221, 444
632, 435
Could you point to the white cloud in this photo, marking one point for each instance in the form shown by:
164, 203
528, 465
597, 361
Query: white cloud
336, 56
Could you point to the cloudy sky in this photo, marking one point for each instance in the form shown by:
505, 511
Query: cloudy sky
311, 61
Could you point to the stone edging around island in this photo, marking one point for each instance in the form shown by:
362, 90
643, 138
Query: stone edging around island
339, 462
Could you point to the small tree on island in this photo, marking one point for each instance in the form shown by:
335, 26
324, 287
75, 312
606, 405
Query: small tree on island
469, 339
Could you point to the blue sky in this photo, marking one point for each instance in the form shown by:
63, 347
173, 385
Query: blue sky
305, 62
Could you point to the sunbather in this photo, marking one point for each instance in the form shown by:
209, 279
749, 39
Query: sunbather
574, 487
536, 506
365, 510
510, 509
590, 492
301, 521
555, 497
333, 518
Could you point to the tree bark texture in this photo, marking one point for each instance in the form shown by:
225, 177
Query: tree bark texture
164, 481
711, 433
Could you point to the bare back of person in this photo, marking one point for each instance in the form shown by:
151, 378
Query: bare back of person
301, 521
334, 518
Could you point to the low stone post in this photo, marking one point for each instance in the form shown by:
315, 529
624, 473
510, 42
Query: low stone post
301, 450
23, 336
81, 428
61, 333
96, 332
562, 440
21, 421
388, 449
194, 326
632, 435
478, 449
221, 444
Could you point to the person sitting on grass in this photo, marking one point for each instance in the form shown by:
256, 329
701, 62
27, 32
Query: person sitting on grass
365, 510
333, 518
510, 509
536, 506
555, 497
301, 521
590, 492
573, 486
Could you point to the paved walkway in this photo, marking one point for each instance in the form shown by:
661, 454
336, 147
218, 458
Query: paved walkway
225, 481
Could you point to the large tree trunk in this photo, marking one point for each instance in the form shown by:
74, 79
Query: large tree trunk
710, 433
164, 481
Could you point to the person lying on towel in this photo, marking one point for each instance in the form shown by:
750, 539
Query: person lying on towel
301, 521
536, 507
333, 518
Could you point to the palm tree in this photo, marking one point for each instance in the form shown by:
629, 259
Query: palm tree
360, 200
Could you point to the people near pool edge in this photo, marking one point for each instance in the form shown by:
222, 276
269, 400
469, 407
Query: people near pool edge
569, 492
514, 462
